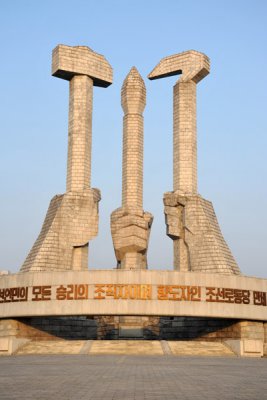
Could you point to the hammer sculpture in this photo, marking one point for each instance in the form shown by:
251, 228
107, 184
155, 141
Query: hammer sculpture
190, 219
72, 219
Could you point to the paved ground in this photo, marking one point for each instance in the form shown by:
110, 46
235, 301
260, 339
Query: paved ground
124, 377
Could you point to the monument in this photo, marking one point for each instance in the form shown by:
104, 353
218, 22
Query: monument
72, 219
191, 221
204, 297
130, 225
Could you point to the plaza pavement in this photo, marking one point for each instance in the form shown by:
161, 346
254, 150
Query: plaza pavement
126, 377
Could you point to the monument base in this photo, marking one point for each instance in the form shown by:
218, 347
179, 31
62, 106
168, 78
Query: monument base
245, 338
50, 328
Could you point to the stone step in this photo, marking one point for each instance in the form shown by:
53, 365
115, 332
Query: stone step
138, 347
199, 348
52, 347
141, 347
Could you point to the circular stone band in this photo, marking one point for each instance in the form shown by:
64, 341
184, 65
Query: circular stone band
126, 292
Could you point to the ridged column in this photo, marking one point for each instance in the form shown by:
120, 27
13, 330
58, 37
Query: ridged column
133, 103
184, 138
80, 133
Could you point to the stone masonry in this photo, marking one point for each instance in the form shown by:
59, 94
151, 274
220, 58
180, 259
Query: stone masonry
130, 225
265, 338
139, 304
191, 221
72, 218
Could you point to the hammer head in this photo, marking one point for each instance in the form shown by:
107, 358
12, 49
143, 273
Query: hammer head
68, 61
192, 64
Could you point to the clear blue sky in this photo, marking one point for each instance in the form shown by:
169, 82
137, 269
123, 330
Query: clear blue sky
232, 124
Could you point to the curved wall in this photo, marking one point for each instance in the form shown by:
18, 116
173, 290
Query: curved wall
126, 292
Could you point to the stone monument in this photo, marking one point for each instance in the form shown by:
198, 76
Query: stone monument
205, 297
191, 221
72, 218
130, 225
